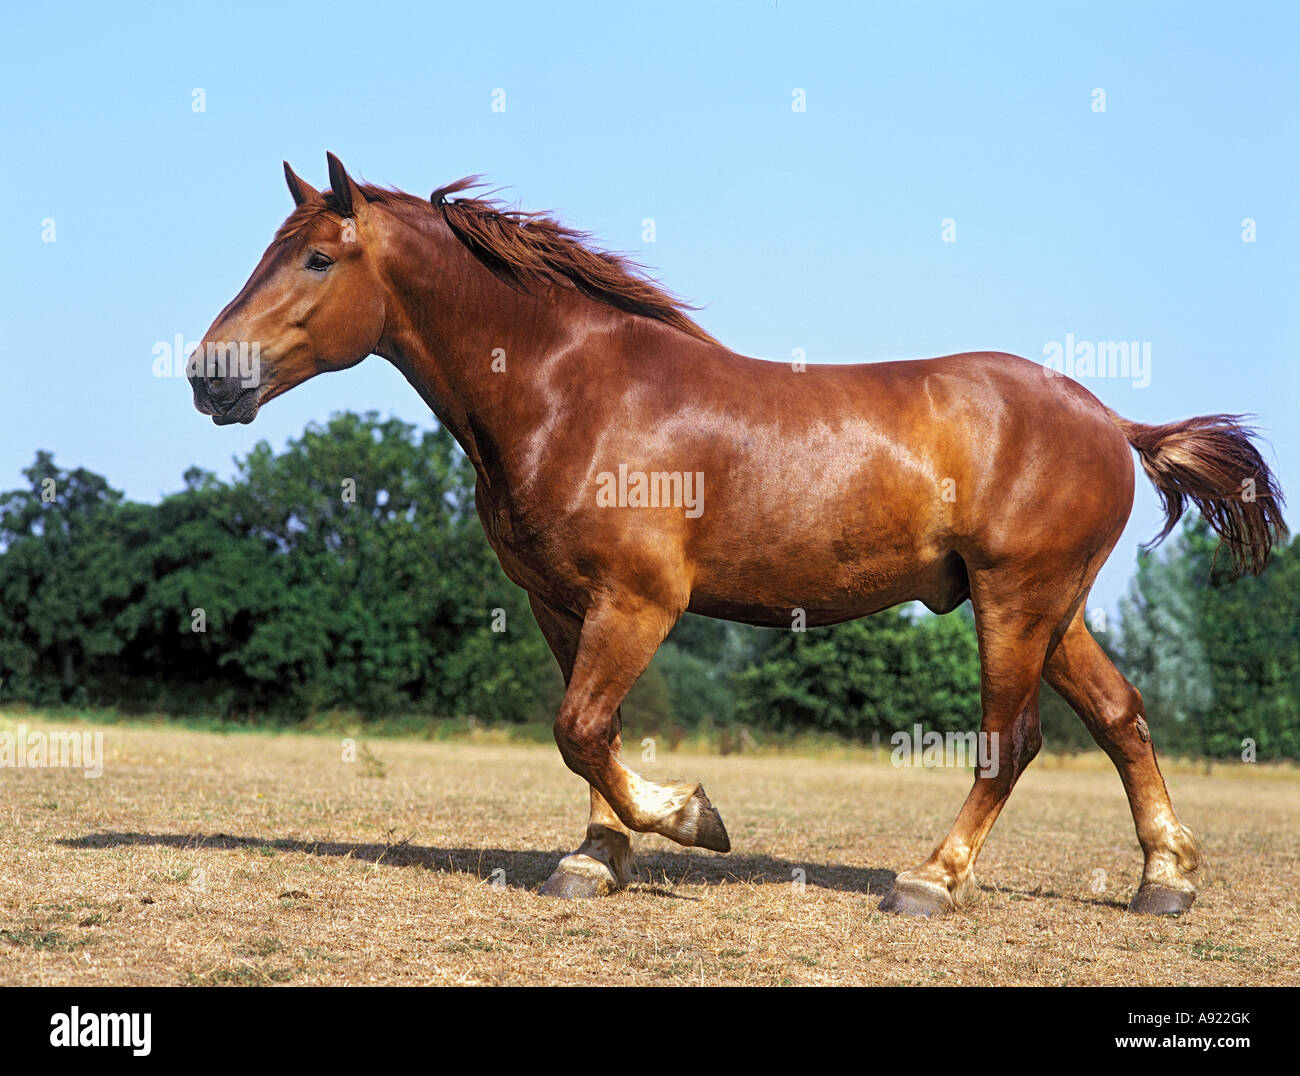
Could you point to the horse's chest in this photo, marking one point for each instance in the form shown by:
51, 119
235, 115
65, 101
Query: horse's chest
501, 523
517, 543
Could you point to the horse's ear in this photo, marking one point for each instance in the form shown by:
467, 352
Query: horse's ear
301, 190
347, 195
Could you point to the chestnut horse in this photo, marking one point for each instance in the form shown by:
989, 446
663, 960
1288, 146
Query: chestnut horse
746, 490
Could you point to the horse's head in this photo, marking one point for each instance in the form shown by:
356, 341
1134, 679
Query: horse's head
314, 303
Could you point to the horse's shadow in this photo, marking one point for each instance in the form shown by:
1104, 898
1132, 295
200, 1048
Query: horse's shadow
659, 872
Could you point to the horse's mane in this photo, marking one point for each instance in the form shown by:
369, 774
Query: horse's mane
525, 249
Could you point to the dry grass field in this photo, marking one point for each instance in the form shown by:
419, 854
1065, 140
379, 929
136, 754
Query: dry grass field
208, 859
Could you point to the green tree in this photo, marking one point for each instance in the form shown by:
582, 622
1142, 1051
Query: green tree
67, 572
1217, 661
880, 674
349, 570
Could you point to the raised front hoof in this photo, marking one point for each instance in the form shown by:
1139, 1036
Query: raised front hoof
1161, 900
916, 900
696, 824
702, 825
579, 877
710, 833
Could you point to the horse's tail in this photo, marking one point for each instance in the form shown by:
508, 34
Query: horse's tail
1212, 462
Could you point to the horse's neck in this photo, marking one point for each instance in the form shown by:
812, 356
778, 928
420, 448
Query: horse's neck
469, 344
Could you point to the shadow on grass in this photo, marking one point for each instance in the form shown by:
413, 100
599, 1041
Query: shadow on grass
1039, 893
659, 872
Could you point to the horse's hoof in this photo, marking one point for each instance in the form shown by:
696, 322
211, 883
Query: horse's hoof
579, 877
1161, 900
916, 900
696, 824
574, 886
710, 833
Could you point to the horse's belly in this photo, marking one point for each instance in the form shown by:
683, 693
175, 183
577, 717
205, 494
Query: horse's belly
773, 598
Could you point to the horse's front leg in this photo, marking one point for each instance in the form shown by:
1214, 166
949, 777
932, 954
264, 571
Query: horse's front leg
603, 862
614, 645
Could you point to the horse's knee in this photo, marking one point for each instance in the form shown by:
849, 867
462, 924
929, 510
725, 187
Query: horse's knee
578, 737
1122, 713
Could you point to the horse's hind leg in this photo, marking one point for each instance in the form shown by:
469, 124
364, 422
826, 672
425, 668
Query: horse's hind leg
1112, 709
603, 862
1014, 641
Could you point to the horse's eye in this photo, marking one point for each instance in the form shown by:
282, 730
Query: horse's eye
318, 263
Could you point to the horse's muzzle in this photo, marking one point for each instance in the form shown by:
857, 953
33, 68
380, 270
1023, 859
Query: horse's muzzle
227, 400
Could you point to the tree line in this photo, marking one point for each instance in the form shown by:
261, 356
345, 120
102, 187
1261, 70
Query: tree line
349, 572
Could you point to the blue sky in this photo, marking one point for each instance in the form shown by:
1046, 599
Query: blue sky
819, 230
